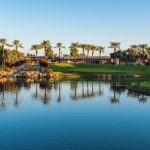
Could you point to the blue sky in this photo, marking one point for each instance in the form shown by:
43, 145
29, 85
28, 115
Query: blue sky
85, 21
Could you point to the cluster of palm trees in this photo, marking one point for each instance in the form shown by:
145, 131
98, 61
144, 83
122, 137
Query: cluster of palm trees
134, 53
10, 55
74, 49
47, 46
139, 54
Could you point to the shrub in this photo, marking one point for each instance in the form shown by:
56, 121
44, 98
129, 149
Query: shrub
44, 63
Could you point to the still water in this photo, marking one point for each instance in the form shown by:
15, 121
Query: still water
72, 115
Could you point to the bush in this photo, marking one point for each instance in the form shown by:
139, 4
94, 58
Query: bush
44, 63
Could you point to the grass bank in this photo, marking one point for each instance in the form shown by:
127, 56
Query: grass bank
145, 85
100, 69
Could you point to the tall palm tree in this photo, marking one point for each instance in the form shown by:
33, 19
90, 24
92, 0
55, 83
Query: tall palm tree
60, 47
88, 48
17, 44
101, 50
36, 47
83, 46
46, 45
115, 46
74, 50
3, 43
93, 48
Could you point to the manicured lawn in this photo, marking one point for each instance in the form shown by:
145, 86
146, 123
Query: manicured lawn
145, 85
97, 69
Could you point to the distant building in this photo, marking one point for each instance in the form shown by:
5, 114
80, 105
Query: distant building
96, 60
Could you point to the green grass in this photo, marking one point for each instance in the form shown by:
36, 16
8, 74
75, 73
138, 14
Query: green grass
145, 85
103, 69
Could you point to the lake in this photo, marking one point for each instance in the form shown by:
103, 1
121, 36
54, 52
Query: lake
73, 115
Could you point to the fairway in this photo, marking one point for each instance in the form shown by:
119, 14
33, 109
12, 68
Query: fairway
100, 69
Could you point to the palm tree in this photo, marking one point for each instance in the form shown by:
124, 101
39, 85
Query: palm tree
88, 48
59, 46
17, 44
3, 43
134, 50
115, 46
83, 46
36, 47
101, 50
46, 45
93, 48
143, 47
74, 50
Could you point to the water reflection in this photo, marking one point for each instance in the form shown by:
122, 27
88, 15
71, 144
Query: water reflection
86, 89
141, 97
14, 91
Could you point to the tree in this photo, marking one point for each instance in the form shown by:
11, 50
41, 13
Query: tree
93, 48
134, 49
36, 47
74, 50
101, 50
88, 48
115, 46
46, 45
59, 46
49, 53
17, 44
3, 44
143, 47
83, 46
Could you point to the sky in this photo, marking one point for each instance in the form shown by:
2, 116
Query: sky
86, 21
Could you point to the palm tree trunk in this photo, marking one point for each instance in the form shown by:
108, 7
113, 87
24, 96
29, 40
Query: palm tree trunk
83, 56
92, 57
17, 48
45, 51
36, 55
114, 60
3, 56
87, 57
59, 54
100, 58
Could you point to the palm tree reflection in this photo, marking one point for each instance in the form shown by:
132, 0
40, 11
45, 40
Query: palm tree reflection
36, 95
82, 94
17, 101
114, 99
45, 98
3, 103
59, 92
80, 90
